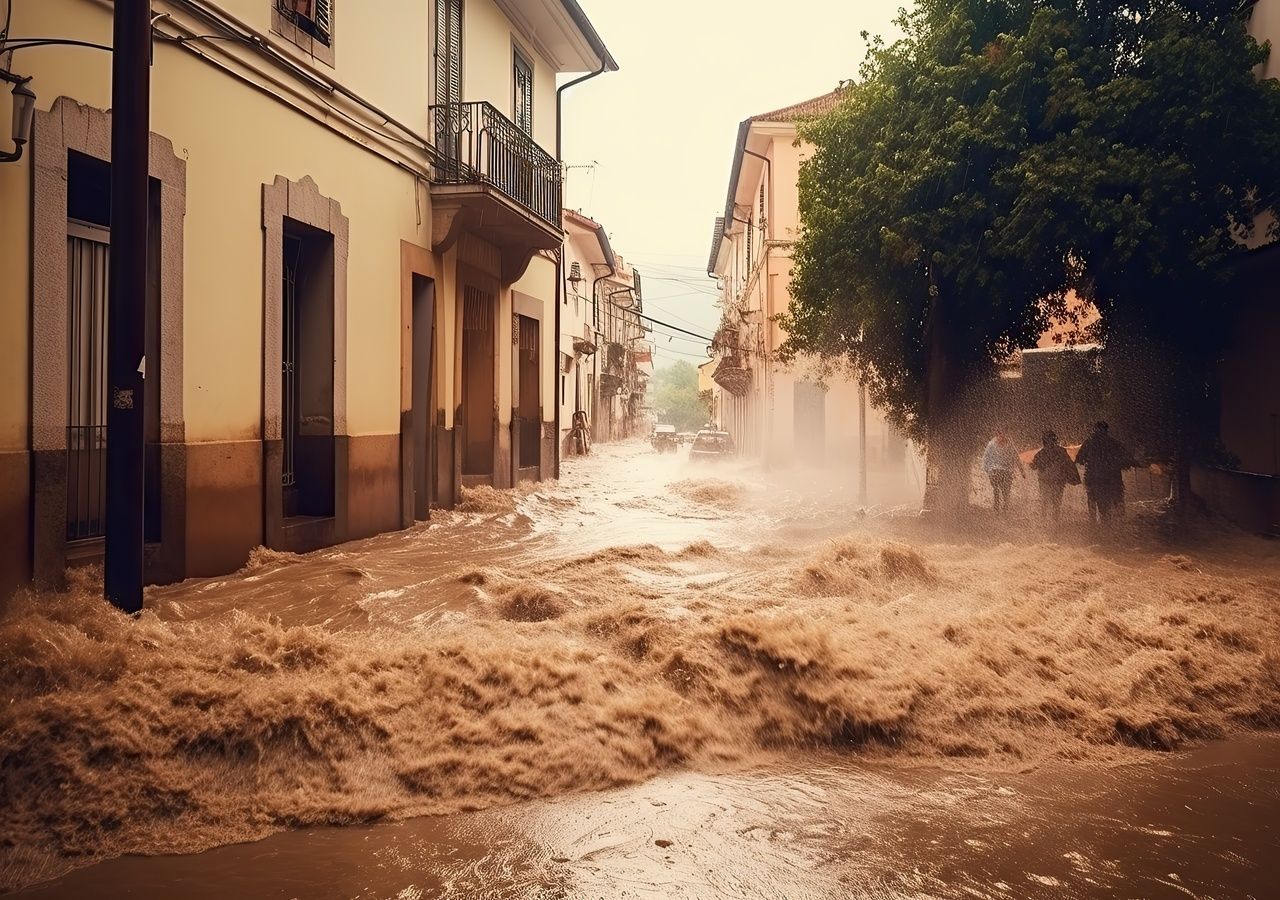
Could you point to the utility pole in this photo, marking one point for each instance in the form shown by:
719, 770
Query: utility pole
862, 443
127, 303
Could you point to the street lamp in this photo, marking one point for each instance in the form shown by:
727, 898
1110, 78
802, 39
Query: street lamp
24, 109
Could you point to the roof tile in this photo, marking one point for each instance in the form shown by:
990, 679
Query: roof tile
808, 109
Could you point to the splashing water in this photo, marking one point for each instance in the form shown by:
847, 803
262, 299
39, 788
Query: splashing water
473, 663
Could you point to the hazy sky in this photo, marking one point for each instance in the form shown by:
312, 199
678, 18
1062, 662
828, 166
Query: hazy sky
656, 139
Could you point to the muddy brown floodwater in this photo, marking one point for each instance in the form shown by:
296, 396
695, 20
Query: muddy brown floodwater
657, 679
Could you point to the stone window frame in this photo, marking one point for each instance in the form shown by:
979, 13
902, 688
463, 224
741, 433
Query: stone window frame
302, 202
318, 51
72, 126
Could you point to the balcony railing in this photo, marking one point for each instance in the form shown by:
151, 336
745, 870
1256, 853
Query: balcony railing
479, 145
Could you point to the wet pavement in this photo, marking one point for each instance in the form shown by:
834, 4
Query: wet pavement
660, 679
1200, 824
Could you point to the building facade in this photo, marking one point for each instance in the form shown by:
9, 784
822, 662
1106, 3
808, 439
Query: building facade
607, 358
1248, 490
355, 219
587, 255
783, 415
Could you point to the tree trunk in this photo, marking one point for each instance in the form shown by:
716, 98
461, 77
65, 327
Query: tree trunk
948, 446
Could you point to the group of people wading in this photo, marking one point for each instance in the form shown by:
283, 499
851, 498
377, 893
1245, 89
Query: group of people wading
1104, 460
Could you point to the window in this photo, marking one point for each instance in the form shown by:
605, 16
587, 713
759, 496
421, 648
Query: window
522, 87
448, 52
308, 24
314, 17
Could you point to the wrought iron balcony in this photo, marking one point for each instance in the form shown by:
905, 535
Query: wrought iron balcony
477, 145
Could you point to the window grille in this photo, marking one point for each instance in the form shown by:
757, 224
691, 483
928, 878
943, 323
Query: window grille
88, 258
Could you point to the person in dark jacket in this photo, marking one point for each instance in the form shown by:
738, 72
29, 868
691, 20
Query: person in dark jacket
1055, 470
1104, 460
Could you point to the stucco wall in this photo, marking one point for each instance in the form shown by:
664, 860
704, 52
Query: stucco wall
15, 308
488, 39
234, 140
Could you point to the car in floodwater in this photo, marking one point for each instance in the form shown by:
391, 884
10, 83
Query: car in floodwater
684, 437
712, 445
664, 438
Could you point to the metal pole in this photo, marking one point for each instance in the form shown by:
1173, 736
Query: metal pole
862, 444
127, 303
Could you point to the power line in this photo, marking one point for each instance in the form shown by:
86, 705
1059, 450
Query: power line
667, 312
672, 327
701, 356
687, 281
678, 337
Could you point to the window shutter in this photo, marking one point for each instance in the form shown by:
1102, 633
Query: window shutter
323, 17
448, 52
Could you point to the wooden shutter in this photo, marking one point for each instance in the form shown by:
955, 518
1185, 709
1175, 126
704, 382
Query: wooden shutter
323, 19
448, 52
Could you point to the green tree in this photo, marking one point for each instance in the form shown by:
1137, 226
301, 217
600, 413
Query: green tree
1003, 152
675, 397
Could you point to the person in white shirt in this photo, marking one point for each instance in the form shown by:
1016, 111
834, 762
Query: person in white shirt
999, 461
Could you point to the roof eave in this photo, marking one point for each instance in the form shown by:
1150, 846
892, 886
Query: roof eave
588, 31
603, 237
735, 173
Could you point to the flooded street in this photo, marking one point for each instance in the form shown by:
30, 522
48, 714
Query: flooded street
660, 679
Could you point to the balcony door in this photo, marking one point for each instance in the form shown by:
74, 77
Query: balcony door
448, 75
522, 88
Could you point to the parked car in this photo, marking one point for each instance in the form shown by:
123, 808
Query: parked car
712, 445
684, 437
664, 438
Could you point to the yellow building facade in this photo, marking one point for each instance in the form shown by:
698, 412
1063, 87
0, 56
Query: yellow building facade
353, 237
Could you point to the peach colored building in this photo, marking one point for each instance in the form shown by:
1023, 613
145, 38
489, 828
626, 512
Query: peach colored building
353, 306
783, 415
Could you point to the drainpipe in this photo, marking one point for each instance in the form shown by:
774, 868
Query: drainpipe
595, 360
604, 67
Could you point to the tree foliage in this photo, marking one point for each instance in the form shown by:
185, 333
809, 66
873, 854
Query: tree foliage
675, 397
1004, 152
